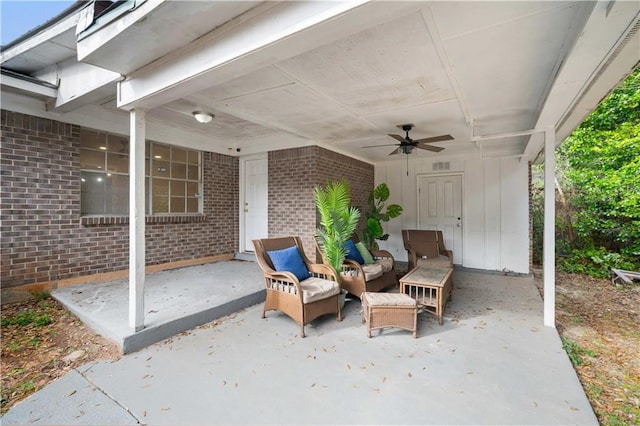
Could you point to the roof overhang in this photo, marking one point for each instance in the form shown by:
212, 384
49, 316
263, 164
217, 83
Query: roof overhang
343, 75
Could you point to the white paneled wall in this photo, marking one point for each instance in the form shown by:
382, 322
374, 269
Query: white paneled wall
495, 204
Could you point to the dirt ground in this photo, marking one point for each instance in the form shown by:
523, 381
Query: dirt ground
598, 321
35, 353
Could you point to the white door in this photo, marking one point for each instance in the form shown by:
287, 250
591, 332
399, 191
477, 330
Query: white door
440, 208
255, 204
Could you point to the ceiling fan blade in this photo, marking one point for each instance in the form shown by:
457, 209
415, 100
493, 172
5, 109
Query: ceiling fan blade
396, 151
430, 148
376, 146
440, 138
398, 138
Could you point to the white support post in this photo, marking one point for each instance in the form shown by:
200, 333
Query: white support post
549, 261
136, 219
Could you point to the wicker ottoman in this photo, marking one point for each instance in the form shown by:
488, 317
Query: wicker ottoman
381, 310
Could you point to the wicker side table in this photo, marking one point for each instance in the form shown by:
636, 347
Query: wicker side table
380, 310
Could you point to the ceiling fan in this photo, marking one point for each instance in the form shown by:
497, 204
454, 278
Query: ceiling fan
407, 145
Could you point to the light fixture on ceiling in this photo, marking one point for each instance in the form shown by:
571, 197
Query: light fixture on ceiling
203, 117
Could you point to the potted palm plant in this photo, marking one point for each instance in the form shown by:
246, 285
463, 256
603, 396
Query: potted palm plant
338, 221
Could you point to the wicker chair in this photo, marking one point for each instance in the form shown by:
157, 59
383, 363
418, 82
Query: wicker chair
304, 300
426, 248
357, 279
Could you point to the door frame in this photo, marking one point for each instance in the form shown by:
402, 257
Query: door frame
462, 203
241, 196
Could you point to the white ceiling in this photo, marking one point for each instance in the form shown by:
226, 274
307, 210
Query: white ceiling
438, 68
458, 68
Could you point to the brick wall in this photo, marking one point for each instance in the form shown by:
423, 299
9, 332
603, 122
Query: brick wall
293, 173
43, 235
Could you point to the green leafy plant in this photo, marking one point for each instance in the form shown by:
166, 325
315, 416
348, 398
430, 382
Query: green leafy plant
596, 262
376, 214
40, 295
575, 351
338, 221
27, 317
598, 189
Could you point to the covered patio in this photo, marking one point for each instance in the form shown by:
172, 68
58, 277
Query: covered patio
491, 362
294, 94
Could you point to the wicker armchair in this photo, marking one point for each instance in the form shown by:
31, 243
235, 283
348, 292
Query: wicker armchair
426, 248
304, 300
357, 279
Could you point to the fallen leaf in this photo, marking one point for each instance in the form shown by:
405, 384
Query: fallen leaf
71, 393
410, 375
165, 409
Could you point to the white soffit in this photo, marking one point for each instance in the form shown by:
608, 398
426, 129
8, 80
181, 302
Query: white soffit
153, 30
51, 45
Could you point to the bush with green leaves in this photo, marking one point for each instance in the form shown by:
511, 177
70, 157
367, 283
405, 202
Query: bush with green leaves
596, 262
598, 173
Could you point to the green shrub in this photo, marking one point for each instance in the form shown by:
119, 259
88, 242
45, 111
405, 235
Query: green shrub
596, 262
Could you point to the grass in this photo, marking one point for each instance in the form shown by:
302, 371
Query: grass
25, 318
575, 351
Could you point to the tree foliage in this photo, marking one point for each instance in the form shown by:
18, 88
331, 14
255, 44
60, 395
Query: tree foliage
599, 173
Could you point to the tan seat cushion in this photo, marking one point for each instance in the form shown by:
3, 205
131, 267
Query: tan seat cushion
387, 264
388, 299
371, 272
317, 289
434, 262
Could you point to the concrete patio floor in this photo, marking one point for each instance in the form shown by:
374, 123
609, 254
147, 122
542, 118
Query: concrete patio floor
491, 362
175, 300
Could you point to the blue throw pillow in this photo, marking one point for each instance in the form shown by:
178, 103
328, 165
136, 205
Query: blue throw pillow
352, 252
289, 260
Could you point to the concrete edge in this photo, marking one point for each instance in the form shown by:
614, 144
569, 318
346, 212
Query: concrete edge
160, 332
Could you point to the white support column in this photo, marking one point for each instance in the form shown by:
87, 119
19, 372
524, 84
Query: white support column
549, 261
136, 219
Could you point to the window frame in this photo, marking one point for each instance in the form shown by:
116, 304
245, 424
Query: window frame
150, 146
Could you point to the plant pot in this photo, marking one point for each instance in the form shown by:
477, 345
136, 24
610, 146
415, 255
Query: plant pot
342, 298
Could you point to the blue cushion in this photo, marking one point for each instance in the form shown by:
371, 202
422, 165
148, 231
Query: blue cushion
289, 260
352, 252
